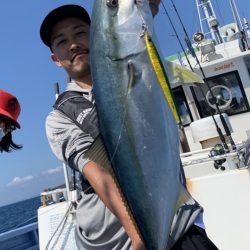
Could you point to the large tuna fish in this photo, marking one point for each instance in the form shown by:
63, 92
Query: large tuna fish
139, 130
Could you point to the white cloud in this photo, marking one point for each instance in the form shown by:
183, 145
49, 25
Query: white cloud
53, 170
19, 180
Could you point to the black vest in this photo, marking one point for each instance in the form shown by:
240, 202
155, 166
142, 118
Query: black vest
80, 110
83, 113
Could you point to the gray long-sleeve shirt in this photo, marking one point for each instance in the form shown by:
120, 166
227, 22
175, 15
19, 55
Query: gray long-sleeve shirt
97, 227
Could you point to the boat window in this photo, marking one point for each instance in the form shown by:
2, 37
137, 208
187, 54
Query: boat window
182, 106
228, 94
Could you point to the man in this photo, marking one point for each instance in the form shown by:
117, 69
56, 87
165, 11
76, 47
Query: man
9, 112
102, 218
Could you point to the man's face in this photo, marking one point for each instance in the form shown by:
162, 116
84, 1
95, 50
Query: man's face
70, 46
154, 6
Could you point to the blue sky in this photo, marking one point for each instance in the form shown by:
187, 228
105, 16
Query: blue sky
28, 73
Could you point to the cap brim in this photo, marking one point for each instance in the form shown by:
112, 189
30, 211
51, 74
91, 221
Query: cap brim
3, 112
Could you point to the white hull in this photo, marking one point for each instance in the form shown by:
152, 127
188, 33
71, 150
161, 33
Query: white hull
56, 227
225, 198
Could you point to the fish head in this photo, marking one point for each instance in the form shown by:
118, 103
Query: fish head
119, 27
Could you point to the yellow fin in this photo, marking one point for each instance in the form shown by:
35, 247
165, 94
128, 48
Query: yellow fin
162, 77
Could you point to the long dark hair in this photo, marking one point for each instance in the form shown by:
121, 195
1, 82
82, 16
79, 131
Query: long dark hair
7, 144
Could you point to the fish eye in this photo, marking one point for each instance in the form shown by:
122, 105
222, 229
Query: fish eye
112, 3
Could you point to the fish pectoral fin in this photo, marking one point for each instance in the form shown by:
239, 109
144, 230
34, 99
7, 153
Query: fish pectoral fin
131, 76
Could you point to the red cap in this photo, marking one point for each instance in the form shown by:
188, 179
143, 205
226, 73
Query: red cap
10, 107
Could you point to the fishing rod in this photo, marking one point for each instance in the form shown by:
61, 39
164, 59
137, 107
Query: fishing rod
166, 89
164, 83
243, 37
224, 124
183, 50
176, 34
169, 97
193, 54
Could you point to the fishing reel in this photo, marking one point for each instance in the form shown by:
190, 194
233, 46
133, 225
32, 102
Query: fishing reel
217, 150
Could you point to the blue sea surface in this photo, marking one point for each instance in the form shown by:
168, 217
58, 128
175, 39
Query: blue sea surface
14, 215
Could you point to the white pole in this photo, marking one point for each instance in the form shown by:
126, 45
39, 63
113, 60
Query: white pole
66, 176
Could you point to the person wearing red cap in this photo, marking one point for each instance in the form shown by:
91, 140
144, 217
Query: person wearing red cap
9, 112
72, 129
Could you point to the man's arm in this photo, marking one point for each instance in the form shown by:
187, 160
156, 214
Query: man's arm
106, 188
64, 136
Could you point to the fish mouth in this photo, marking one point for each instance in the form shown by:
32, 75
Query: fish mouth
79, 53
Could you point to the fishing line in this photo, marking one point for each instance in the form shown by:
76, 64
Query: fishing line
164, 82
23, 223
62, 222
129, 87
221, 17
131, 71
169, 97
166, 88
194, 17
176, 34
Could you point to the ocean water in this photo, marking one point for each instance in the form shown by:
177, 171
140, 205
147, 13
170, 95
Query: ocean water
14, 215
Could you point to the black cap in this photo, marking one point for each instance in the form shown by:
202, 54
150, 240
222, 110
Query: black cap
58, 14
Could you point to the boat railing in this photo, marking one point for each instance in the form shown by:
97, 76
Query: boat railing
25, 237
236, 159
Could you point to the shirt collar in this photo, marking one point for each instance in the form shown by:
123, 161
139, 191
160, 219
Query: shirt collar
73, 86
